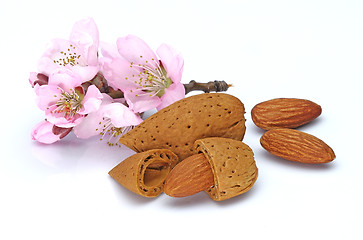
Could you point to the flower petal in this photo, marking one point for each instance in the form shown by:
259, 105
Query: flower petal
89, 127
172, 61
43, 132
91, 101
37, 78
109, 50
60, 121
140, 101
173, 93
92, 124
46, 64
65, 79
47, 96
86, 36
70, 55
136, 51
120, 115
119, 74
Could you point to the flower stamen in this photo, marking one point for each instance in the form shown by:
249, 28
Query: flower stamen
69, 104
153, 81
68, 57
111, 133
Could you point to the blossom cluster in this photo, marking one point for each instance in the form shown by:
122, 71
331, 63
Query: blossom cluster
66, 91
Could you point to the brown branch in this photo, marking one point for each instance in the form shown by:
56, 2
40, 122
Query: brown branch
212, 86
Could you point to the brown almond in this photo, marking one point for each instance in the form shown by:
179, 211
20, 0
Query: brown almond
189, 177
284, 113
296, 146
177, 126
223, 168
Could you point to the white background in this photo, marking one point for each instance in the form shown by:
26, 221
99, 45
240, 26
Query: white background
310, 49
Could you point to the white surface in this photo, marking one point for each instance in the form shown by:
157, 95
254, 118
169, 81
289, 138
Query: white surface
267, 49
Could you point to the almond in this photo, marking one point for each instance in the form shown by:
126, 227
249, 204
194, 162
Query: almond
189, 177
284, 113
223, 168
177, 126
296, 146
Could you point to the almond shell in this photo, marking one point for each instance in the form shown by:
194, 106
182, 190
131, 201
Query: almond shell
179, 125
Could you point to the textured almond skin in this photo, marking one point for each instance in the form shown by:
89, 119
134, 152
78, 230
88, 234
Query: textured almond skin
296, 146
233, 166
177, 126
284, 113
145, 173
189, 177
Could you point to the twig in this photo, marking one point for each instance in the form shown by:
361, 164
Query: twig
212, 86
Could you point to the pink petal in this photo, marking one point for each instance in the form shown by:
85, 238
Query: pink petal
46, 63
140, 101
120, 75
90, 126
107, 99
38, 79
135, 50
91, 101
65, 79
172, 61
56, 51
33, 78
47, 96
173, 93
109, 50
61, 132
87, 72
60, 121
85, 35
120, 115
43, 132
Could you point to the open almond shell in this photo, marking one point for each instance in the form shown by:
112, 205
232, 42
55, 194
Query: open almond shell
145, 173
233, 166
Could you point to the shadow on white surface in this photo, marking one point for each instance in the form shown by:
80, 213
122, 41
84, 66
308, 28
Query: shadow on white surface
202, 199
263, 154
131, 198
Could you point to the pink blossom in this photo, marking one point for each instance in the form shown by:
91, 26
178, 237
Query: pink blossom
111, 121
46, 132
78, 54
64, 101
147, 82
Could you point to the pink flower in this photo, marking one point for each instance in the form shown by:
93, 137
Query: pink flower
111, 121
46, 132
64, 101
147, 82
78, 54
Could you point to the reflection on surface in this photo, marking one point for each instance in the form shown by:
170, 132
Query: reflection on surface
72, 154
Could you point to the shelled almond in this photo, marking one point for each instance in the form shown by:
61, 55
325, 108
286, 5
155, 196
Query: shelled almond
284, 113
297, 146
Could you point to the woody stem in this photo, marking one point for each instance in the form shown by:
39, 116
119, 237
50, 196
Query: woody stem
213, 86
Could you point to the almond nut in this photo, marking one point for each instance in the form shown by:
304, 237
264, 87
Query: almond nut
223, 168
189, 177
295, 145
177, 126
284, 113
